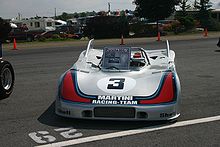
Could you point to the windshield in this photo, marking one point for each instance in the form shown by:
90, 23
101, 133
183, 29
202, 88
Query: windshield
116, 58
123, 58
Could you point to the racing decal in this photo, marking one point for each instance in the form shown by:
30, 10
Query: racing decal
116, 85
164, 115
165, 93
115, 100
69, 90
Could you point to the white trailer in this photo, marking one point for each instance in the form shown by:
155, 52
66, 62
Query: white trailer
36, 24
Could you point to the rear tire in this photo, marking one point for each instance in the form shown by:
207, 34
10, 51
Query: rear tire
7, 78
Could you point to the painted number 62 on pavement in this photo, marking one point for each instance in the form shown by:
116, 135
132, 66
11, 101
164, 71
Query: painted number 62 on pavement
45, 137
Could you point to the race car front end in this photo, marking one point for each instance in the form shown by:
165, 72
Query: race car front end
163, 104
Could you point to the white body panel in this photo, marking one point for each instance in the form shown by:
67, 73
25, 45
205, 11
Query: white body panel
147, 78
141, 81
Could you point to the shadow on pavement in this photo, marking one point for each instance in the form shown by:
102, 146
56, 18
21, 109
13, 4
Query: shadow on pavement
51, 119
217, 50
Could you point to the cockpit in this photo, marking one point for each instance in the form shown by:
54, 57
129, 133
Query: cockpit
121, 58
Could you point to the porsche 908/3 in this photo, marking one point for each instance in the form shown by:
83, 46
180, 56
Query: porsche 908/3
120, 83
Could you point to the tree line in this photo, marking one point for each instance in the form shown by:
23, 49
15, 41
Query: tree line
161, 9
152, 10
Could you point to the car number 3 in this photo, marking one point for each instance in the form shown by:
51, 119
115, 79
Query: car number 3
116, 83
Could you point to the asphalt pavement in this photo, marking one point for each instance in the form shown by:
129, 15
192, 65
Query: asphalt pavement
27, 117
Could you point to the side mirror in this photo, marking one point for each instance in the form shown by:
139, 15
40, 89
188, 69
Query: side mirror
218, 44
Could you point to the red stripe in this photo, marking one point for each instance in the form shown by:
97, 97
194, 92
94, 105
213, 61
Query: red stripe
166, 93
68, 90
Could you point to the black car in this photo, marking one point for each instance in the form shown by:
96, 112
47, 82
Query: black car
7, 77
20, 34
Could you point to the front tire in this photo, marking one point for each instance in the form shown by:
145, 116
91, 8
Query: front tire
7, 78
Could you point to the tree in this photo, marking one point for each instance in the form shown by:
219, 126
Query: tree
93, 13
102, 13
184, 6
203, 5
195, 5
75, 15
65, 16
186, 20
155, 9
82, 14
5, 28
204, 12
106, 27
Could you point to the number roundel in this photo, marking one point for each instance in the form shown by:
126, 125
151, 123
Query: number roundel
116, 85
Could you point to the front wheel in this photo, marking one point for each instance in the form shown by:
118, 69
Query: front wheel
6, 79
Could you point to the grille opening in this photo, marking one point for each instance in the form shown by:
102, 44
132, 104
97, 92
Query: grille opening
87, 113
142, 115
114, 112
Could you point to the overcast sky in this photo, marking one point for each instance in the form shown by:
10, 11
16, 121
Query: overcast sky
29, 8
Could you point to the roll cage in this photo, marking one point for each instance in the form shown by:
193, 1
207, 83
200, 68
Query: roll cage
115, 58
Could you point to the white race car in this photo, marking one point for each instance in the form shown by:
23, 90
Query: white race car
120, 83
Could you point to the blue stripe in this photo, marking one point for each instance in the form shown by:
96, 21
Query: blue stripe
83, 103
78, 91
164, 76
160, 88
157, 91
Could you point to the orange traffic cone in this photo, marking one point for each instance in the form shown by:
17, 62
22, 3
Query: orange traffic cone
122, 40
205, 32
14, 45
158, 36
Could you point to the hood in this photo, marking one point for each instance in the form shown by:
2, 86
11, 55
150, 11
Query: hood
138, 83
106, 88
